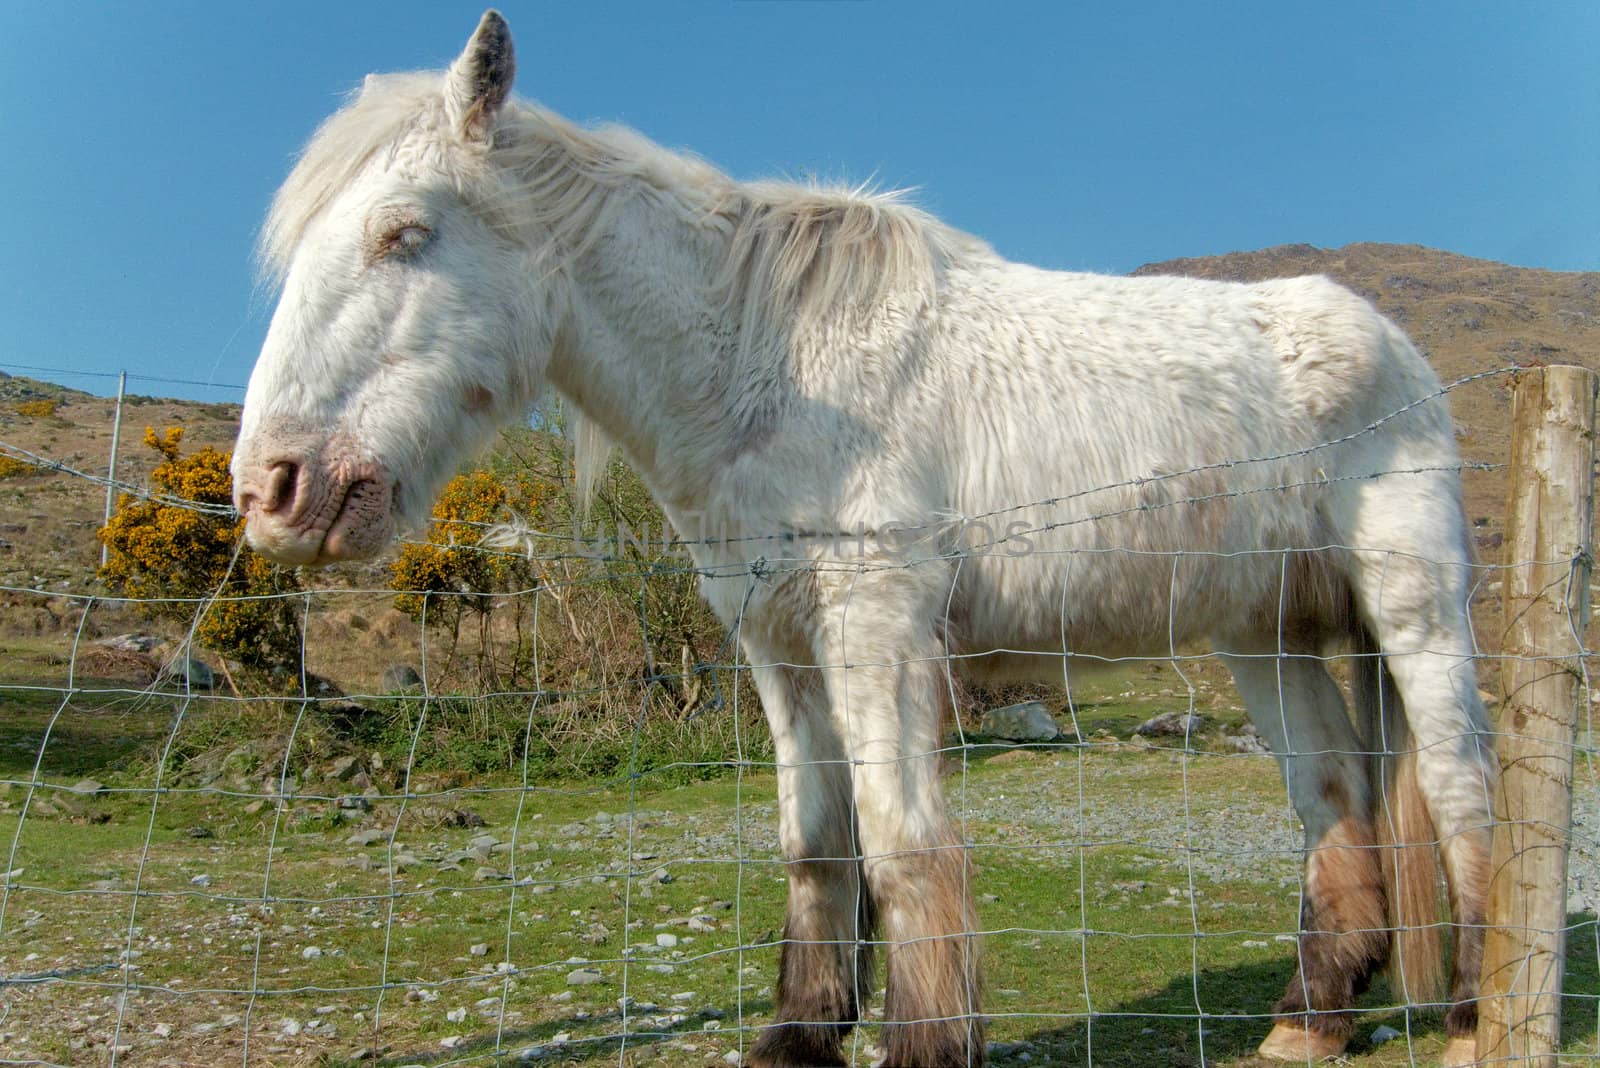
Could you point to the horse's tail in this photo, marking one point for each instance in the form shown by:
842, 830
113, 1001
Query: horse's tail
1407, 841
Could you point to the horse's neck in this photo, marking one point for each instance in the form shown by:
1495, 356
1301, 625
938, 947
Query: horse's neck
646, 356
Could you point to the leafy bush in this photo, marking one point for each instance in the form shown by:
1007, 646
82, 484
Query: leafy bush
449, 579
13, 467
40, 408
627, 598
450, 561
178, 561
624, 643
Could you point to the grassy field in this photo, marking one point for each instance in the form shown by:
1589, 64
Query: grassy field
192, 914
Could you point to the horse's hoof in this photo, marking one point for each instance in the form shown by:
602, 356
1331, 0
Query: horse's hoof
1460, 1052
1289, 1042
796, 1046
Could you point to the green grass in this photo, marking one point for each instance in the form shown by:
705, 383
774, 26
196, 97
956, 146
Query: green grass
1088, 954
1128, 991
97, 735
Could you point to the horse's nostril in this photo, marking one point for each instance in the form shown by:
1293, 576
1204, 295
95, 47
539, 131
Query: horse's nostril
282, 480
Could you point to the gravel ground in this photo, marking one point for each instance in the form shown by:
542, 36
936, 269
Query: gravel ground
1239, 836
1583, 862
1243, 835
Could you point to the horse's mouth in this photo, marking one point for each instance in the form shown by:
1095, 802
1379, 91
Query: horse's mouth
363, 524
355, 524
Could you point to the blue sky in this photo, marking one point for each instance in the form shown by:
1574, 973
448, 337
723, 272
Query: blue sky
143, 141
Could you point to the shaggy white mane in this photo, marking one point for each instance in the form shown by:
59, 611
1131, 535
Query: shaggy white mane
791, 248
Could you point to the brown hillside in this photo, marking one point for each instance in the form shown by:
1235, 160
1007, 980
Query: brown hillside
48, 520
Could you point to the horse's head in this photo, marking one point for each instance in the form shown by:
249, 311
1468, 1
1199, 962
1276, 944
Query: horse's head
407, 330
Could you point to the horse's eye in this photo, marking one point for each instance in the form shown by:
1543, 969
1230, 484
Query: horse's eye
408, 239
399, 242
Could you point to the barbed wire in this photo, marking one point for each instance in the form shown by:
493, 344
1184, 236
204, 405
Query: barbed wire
141, 492
132, 376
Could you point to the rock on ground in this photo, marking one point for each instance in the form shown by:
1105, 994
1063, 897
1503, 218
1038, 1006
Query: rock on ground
131, 643
190, 670
1171, 725
400, 677
1247, 740
1029, 721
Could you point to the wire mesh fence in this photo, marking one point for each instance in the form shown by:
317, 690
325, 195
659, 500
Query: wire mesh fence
542, 824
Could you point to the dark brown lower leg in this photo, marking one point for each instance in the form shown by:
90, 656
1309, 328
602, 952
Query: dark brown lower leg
824, 966
1343, 931
891, 715
931, 995
1467, 868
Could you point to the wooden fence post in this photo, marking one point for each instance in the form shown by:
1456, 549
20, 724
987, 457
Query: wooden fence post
1550, 506
111, 471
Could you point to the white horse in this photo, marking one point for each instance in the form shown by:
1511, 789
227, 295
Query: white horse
1154, 462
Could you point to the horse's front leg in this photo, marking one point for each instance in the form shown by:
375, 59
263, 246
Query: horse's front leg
825, 961
887, 693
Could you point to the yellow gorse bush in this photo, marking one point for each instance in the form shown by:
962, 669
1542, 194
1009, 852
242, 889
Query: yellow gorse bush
42, 408
175, 559
450, 561
13, 467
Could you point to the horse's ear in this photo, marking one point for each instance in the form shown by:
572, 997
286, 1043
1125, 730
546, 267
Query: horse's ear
479, 81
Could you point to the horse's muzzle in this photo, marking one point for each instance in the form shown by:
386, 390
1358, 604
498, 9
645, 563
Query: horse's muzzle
313, 505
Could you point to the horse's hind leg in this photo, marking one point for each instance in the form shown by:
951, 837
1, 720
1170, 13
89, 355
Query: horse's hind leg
824, 963
1344, 937
887, 692
1415, 604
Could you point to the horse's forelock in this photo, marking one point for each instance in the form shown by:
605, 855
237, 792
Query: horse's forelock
373, 120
